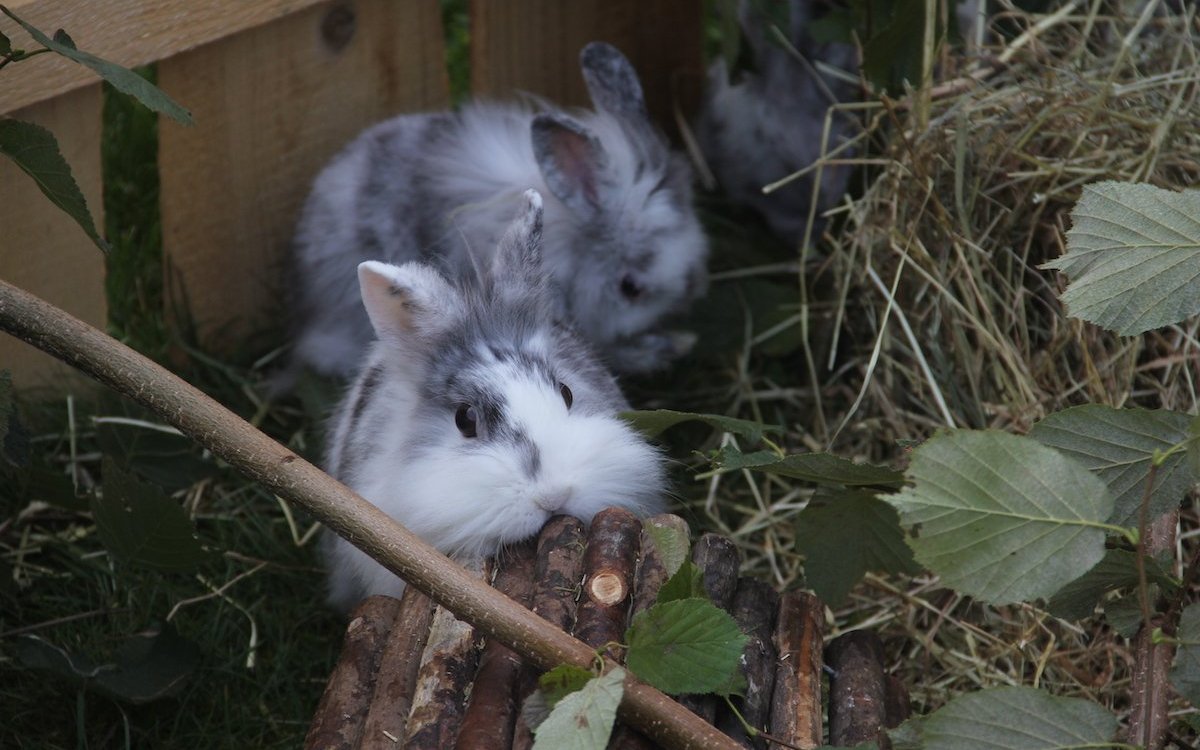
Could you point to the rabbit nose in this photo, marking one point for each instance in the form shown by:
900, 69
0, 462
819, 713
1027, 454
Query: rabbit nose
552, 500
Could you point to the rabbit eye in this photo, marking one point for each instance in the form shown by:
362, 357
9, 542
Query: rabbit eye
568, 397
630, 288
465, 419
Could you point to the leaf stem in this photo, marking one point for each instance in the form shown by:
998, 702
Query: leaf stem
753, 732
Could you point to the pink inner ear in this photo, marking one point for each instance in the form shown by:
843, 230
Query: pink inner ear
575, 157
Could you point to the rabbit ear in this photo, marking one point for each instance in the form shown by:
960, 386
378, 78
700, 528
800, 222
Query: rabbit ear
611, 81
571, 160
408, 301
517, 265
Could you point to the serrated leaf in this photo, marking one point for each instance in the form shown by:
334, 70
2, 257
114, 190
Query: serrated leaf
139, 524
584, 719
1119, 445
652, 423
821, 468
148, 666
844, 534
1133, 257
684, 646
122, 79
1124, 615
535, 709
1010, 718
563, 680
687, 582
1002, 518
1185, 671
1116, 570
671, 543
35, 151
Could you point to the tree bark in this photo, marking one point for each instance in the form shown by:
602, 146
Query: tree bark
397, 675
608, 565
755, 605
338, 721
857, 689
1149, 689
339, 508
796, 702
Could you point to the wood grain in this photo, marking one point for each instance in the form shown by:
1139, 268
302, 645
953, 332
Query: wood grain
42, 249
272, 105
533, 45
127, 32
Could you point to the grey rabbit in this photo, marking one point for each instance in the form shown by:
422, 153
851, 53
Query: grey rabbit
477, 414
623, 244
767, 124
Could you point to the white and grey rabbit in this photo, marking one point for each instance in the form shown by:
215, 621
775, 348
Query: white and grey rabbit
477, 415
623, 244
768, 123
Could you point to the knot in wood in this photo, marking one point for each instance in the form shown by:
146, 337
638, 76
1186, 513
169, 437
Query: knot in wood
607, 588
337, 27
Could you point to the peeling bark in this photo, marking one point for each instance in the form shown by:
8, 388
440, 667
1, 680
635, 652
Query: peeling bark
755, 605
397, 675
796, 701
857, 691
338, 721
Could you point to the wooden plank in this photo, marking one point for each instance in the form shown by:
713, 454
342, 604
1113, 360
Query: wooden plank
42, 249
272, 106
129, 32
533, 45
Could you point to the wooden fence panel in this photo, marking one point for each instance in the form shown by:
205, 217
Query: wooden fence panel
272, 105
128, 32
41, 248
533, 45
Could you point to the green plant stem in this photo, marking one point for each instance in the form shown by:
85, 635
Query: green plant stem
342, 510
753, 732
1140, 557
20, 56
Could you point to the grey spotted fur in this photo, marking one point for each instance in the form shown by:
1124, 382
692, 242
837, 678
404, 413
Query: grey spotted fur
548, 438
768, 123
623, 245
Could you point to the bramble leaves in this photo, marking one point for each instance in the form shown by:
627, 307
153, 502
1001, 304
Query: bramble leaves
655, 421
821, 468
1002, 518
139, 524
671, 543
1119, 446
35, 151
1133, 257
844, 534
149, 665
1117, 570
1009, 718
584, 719
1185, 672
684, 646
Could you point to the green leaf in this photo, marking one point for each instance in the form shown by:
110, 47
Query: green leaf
671, 543
685, 646
562, 681
687, 582
844, 534
8, 407
140, 525
169, 460
1002, 518
1124, 615
1185, 671
1117, 570
35, 151
822, 468
148, 666
653, 422
1133, 257
122, 79
1193, 446
1010, 718
1119, 445
62, 37
5, 44
584, 719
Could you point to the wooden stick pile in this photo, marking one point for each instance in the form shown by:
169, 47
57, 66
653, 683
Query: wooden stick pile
411, 675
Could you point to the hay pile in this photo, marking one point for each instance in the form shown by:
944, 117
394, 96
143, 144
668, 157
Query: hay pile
926, 308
